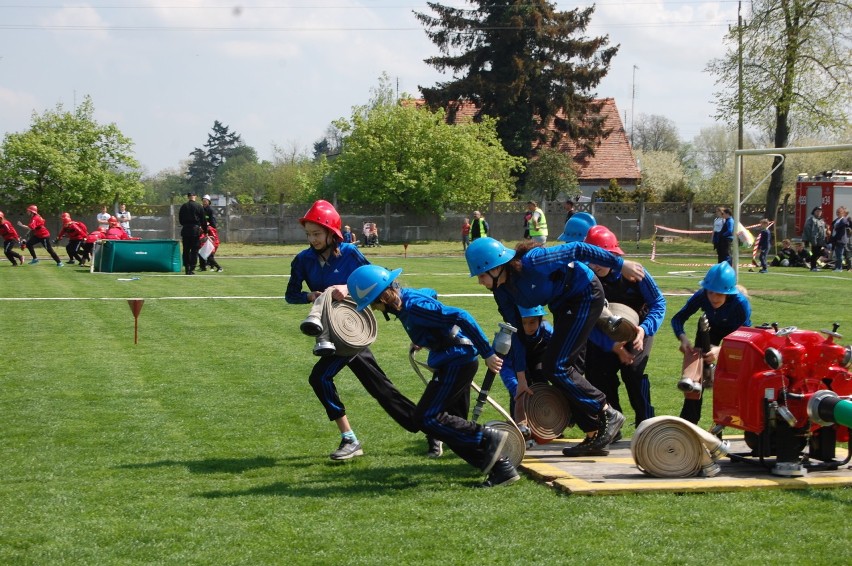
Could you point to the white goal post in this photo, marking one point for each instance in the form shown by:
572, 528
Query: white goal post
739, 200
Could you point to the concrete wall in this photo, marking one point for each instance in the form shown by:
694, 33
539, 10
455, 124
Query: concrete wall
280, 223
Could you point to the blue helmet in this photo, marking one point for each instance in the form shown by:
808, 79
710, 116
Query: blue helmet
537, 310
486, 253
368, 282
721, 278
577, 227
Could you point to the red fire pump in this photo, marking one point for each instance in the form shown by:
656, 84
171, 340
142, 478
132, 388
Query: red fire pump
789, 391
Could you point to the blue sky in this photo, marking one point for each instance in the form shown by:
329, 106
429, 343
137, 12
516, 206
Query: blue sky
278, 72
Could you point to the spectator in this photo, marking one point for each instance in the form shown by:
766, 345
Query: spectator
38, 234
348, 236
786, 256
10, 240
103, 217
193, 222
814, 235
209, 213
76, 232
124, 218
537, 223
568, 205
725, 239
479, 227
839, 237
465, 233
764, 240
803, 257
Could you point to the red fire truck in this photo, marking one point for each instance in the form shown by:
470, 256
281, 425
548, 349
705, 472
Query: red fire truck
829, 190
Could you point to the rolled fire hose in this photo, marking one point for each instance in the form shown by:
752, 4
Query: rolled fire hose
515, 445
548, 412
345, 330
671, 447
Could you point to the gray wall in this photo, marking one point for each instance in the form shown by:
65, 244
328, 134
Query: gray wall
280, 223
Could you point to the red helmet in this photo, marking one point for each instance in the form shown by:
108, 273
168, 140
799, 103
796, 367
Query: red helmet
32, 208
324, 214
602, 237
2, 216
66, 218
113, 220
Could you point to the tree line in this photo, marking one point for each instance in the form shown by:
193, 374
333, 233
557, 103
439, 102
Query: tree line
524, 64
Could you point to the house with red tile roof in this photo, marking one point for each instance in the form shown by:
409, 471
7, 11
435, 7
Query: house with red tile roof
613, 158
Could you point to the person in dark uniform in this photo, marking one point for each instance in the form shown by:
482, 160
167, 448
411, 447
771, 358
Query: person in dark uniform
193, 223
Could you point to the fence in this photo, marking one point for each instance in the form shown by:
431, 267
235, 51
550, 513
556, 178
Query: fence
279, 223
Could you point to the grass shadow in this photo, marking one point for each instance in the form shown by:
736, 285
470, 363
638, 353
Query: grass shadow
360, 481
210, 465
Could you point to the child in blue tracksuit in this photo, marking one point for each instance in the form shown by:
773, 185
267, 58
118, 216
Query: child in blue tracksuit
534, 275
536, 334
328, 263
727, 308
605, 358
454, 341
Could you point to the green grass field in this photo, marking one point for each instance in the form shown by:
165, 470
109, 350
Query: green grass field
203, 443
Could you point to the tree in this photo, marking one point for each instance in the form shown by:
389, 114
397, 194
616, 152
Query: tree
655, 133
66, 160
550, 174
796, 68
613, 193
222, 144
521, 61
400, 154
661, 170
163, 187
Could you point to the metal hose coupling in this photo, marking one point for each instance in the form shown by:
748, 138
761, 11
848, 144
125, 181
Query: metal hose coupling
345, 330
671, 447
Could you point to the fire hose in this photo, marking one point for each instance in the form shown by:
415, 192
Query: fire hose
671, 447
339, 328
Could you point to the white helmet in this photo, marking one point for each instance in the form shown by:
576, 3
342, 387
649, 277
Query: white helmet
206, 197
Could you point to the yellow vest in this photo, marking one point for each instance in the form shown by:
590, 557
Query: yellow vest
542, 224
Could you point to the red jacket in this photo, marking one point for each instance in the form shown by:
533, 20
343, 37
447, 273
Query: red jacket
8, 231
213, 234
116, 233
37, 227
75, 230
95, 235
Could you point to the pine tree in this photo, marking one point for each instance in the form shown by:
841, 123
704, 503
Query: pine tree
521, 61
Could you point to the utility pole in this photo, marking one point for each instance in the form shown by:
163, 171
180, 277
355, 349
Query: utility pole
633, 106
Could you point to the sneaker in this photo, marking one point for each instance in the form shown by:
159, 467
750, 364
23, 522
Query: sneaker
219, 270
347, 449
60, 264
202, 269
838, 270
586, 448
34, 261
70, 262
493, 441
503, 473
815, 269
525, 431
610, 424
616, 438
436, 447
763, 271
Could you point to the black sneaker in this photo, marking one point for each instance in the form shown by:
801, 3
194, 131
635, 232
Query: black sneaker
586, 448
610, 422
347, 449
436, 447
503, 473
493, 441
